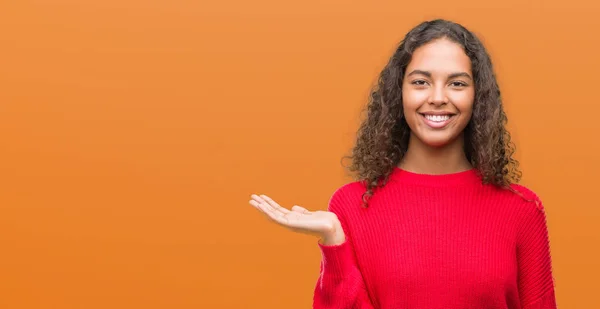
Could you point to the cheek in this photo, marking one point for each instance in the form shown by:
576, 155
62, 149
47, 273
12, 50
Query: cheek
412, 99
463, 101
411, 102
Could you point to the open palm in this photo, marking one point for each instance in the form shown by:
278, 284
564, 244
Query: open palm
298, 219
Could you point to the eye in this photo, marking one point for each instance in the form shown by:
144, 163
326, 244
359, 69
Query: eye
458, 84
419, 82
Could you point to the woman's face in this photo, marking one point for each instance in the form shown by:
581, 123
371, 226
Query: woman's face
438, 93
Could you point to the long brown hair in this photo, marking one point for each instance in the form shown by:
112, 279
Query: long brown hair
382, 138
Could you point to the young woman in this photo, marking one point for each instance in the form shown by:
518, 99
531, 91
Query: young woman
436, 219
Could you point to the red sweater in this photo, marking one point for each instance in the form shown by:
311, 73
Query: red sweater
437, 242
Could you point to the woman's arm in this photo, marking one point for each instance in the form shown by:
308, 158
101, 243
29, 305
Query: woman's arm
340, 284
535, 280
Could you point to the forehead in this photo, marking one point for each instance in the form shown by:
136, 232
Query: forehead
441, 55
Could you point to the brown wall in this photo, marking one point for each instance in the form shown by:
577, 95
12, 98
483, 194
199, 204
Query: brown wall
133, 132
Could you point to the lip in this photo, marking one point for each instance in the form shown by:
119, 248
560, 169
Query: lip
437, 124
437, 113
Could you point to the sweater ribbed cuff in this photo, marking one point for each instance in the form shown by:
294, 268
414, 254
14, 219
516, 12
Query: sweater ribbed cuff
337, 259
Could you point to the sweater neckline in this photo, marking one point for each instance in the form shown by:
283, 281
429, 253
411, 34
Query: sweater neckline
470, 176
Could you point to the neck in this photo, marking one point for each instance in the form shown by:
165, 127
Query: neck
425, 159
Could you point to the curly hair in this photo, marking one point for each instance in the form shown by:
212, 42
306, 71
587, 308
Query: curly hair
382, 138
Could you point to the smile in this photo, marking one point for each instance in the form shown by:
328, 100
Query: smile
437, 121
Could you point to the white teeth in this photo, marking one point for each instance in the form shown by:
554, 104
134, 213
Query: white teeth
437, 118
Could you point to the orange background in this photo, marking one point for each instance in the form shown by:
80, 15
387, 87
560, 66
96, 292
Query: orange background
132, 134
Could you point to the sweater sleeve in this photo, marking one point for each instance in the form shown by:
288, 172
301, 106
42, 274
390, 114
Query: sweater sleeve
340, 284
535, 279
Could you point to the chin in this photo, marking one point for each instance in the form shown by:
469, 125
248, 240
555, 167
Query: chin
436, 141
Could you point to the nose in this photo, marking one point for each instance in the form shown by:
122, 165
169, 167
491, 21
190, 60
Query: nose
438, 96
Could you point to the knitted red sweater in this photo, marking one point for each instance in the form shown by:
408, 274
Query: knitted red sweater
437, 242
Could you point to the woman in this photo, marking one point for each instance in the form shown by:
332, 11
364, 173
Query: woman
436, 219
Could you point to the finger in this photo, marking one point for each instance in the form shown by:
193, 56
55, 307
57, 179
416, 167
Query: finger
254, 203
262, 200
300, 209
273, 204
268, 212
265, 199
263, 205
271, 210
256, 198
273, 214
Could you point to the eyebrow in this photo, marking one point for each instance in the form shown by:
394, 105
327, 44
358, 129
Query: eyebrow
453, 75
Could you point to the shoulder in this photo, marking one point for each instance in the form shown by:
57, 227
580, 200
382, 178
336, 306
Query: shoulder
347, 196
532, 224
530, 210
527, 196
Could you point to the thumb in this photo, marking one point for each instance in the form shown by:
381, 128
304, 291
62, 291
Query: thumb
300, 209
